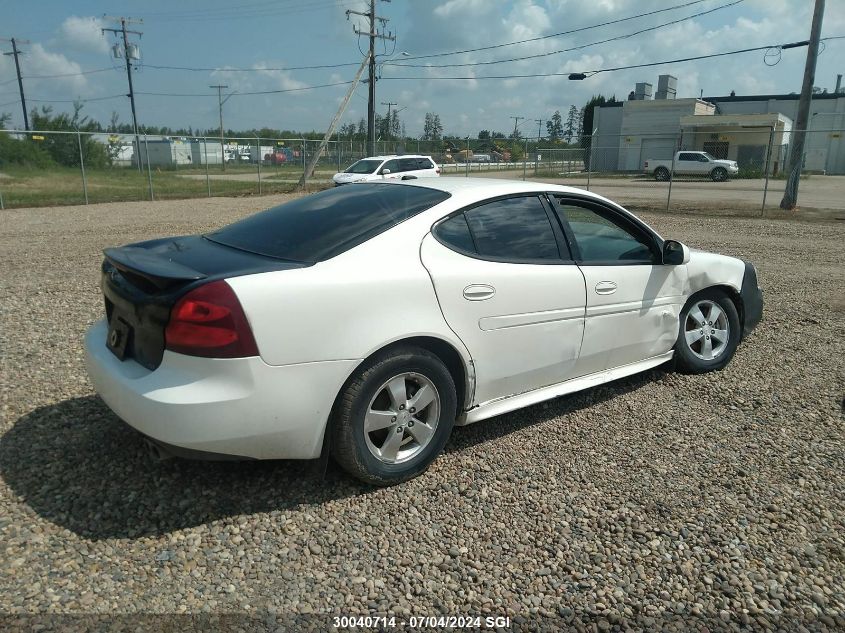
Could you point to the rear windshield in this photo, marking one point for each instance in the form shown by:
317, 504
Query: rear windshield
363, 167
325, 224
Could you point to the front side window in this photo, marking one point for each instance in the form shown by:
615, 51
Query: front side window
363, 167
514, 229
601, 238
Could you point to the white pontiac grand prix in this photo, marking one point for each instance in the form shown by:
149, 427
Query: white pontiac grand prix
364, 322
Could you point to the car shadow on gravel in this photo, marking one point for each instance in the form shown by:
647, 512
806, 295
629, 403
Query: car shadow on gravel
77, 465
464, 437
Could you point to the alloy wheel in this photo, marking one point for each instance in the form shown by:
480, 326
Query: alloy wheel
401, 418
707, 330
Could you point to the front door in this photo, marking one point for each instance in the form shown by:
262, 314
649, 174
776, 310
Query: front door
633, 299
510, 290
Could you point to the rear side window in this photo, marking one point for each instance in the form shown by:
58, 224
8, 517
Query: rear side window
325, 224
513, 229
424, 163
454, 232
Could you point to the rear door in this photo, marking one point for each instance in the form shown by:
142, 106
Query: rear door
633, 299
509, 289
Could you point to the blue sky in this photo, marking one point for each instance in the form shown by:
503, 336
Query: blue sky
277, 34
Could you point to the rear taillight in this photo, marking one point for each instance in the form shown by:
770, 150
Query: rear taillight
438, 170
210, 322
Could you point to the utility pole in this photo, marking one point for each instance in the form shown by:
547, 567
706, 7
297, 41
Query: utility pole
796, 154
16, 53
128, 55
516, 124
539, 123
373, 35
388, 104
220, 102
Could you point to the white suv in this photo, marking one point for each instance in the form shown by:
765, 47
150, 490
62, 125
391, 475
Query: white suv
388, 168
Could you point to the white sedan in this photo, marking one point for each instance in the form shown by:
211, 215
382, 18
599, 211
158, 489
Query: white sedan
364, 322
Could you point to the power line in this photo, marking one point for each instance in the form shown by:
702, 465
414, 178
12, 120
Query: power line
572, 48
616, 68
561, 33
208, 16
79, 100
247, 70
242, 94
83, 72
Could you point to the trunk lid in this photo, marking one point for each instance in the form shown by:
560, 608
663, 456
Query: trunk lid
142, 282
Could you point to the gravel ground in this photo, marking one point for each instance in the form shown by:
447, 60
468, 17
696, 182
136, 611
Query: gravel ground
660, 501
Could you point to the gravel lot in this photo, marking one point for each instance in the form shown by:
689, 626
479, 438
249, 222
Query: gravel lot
656, 502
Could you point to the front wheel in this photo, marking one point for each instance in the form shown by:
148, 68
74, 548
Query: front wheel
709, 333
720, 174
394, 416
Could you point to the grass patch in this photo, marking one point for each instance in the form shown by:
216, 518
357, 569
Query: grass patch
56, 186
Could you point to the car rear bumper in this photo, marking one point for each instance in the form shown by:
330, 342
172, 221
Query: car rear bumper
238, 407
752, 300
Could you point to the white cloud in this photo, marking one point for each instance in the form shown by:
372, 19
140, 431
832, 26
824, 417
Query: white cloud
83, 34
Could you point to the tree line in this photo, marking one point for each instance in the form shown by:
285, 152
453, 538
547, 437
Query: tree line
64, 149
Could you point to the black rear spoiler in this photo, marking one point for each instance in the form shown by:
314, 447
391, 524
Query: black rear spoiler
160, 271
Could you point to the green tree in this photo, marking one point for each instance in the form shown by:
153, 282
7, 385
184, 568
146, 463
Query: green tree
24, 152
554, 127
432, 128
570, 128
64, 148
587, 122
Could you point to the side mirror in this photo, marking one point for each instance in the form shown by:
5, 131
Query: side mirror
385, 172
675, 253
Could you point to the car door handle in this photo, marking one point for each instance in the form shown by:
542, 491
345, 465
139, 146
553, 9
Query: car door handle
478, 292
605, 287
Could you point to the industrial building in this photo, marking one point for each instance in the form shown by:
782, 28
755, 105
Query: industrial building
739, 128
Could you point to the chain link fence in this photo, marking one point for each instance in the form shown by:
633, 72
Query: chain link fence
678, 170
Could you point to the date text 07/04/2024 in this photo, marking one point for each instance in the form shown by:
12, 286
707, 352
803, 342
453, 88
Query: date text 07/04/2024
439, 621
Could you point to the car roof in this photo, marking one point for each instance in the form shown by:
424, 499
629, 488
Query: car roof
490, 187
395, 156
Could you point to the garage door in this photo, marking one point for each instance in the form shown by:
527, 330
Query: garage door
657, 149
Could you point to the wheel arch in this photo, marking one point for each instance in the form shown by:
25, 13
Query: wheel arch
460, 368
732, 294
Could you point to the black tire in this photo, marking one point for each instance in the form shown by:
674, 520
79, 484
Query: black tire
719, 174
662, 174
688, 357
349, 444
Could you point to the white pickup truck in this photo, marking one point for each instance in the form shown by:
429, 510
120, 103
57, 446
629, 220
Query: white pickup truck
692, 164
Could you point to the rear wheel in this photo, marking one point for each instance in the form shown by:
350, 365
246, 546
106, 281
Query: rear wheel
709, 333
661, 174
394, 416
719, 174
